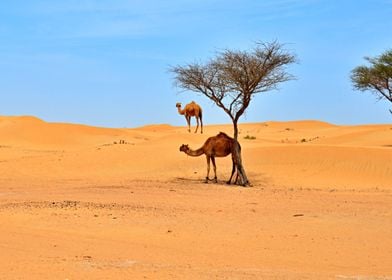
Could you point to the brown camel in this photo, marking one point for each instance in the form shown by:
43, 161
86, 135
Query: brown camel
220, 145
191, 110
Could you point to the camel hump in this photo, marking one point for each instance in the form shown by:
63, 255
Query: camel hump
193, 102
222, 134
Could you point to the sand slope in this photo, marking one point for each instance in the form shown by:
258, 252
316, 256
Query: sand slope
77, 204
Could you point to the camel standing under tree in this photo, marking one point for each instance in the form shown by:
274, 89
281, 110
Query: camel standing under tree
220, 145
191, 110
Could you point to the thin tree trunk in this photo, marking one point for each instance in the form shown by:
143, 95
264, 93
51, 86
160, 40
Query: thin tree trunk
235, 130
241, 178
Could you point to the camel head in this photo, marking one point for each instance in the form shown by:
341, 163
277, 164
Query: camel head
184, 148
178, 105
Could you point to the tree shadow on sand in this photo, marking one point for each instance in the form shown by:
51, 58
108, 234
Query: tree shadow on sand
259, 181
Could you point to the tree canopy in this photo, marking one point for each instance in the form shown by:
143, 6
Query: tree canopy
377, 77
232, 78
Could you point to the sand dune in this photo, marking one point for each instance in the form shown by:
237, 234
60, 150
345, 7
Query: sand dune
88, 202
33, 131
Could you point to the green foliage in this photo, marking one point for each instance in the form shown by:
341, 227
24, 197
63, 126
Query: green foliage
376, 77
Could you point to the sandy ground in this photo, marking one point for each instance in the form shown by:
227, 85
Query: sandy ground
76, 204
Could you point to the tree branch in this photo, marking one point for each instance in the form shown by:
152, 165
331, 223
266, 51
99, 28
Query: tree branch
233, 77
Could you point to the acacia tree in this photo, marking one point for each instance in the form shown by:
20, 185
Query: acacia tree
232, 78
377, 77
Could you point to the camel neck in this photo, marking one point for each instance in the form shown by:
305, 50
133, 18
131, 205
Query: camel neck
181, 112
195, 153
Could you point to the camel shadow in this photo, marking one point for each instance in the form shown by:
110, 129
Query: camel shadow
199, 181
211, 182
186, 180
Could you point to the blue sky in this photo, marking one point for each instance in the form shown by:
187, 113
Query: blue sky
105, 63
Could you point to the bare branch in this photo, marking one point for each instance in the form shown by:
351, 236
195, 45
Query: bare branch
232, 78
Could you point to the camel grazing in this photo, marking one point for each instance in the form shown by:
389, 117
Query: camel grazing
191, 110
220, 145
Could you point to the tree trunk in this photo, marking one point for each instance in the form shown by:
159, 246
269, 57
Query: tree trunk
241, 178
235, 130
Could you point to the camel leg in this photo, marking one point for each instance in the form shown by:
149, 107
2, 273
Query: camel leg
197, 124
201, 123
188, 120
208, 169
214, 165
232, 172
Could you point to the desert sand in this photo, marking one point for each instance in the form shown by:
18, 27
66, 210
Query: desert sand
77, 204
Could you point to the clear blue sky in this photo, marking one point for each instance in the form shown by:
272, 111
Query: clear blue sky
106, 63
